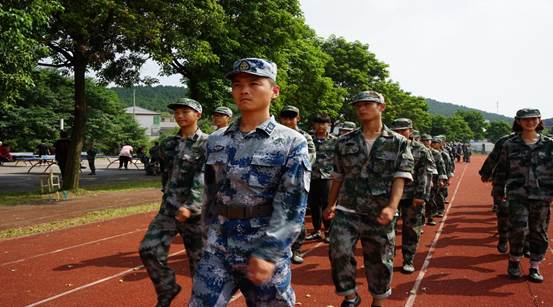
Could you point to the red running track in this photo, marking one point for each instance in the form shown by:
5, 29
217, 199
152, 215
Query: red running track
98, 265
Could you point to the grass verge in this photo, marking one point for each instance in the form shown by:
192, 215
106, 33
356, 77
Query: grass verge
11, 198
91, 217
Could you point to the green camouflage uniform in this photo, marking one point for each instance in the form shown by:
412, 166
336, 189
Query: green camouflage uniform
320, 180
526, 172
183, 187
498, 192
366, 185
413, 216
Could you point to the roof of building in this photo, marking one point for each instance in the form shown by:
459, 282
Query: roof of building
140, 111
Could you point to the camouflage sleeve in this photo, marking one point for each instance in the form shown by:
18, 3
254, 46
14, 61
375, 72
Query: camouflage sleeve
210, 190
405, 163
311, 150
447, 164
338, 168
164, 164
422, 172
440, 166
193, 201
288, 206
500, 172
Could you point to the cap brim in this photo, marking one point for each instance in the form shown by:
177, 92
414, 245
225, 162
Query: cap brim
174, 106
229, 75
365, 100
528, 116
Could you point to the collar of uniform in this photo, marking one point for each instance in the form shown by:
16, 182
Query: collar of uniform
266, 127
194, 137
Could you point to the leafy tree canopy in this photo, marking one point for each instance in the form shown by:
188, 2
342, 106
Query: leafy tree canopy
496, 130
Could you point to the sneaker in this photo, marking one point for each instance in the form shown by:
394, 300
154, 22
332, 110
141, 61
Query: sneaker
314, 236
408, 268
502, 246
535, 276
297, 258
356, 302
526, 253
514, 270
439, 214
431, 223
165, 300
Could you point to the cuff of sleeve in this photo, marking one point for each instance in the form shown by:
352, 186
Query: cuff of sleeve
451, 175
405, 175
444, 177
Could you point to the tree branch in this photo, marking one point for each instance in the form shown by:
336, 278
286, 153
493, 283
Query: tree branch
64, 64
64, 52
179, 67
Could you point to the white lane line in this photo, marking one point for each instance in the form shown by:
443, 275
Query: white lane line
94, 283
70, 247
413, 293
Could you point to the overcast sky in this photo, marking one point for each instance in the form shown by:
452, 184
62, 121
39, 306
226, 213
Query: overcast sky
468, 52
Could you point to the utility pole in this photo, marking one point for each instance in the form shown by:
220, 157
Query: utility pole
133, 103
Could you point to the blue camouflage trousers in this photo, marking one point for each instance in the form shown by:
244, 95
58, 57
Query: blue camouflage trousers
222, 269
529, 216
378, 242
154, 248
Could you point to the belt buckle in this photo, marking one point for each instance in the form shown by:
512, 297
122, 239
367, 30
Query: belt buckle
248, 212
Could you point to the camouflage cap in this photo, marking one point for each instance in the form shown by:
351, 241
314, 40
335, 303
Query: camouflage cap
253, 66
527, 113
186, 102
416, 134
348, 126
426, 137
223, 110
322, 118
369, 96
437, 139
289, 111
402, 123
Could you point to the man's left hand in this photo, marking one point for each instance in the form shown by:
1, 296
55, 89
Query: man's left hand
386, 215
259, 270
183, 214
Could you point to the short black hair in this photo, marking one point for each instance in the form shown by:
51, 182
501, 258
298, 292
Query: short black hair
322, 118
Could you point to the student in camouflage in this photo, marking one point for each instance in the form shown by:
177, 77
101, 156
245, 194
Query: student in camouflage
290, 117
415, 194
221, 117
321, 176
442, 192
371, 165
439, 179
498, 193
181, 206
525, 169
257, 180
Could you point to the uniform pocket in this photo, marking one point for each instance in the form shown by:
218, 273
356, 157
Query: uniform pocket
265, 170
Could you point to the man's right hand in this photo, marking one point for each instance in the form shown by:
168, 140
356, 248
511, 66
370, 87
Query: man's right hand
329, 213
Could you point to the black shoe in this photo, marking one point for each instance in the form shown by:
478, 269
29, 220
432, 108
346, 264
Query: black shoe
502, 247
431, 223
535, 276
514, 270
526, 253
356, 302
165, 300
313, 236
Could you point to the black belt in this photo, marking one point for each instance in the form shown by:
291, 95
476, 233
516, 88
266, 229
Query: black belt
244, 212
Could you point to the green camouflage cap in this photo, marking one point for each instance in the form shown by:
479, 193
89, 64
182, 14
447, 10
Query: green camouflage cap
426, 137
416, 134
186, 102
369, 96
528, 113
349, 126
437, 139
253, 66
223, 110
289, 111
402, 123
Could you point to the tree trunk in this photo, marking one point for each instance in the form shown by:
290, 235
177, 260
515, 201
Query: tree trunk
73, 165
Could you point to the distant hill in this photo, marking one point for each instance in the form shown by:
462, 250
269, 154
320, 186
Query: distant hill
152, 98
447, 109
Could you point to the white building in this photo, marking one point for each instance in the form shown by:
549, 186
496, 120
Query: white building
146, 119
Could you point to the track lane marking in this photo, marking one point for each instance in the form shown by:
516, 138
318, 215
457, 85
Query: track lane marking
69, 247
413, 292
99, 281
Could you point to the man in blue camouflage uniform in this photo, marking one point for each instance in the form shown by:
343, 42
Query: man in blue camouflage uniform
415, 195
321, 176
181, 207
439, 179
290, 116
371, 165
525, 169
498, 193
257, 180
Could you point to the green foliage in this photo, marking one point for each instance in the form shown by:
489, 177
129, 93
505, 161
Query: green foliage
152, 98
20, 48
496, 130
455, 128
34, 118
476, 122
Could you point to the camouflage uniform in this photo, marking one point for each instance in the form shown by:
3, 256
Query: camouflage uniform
438, 174
526, 172
256, 193
183, 184
320, 180
412, 215
498, 192
441, 196
366, 185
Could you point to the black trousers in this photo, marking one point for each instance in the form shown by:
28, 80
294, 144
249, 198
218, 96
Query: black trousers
318, 199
